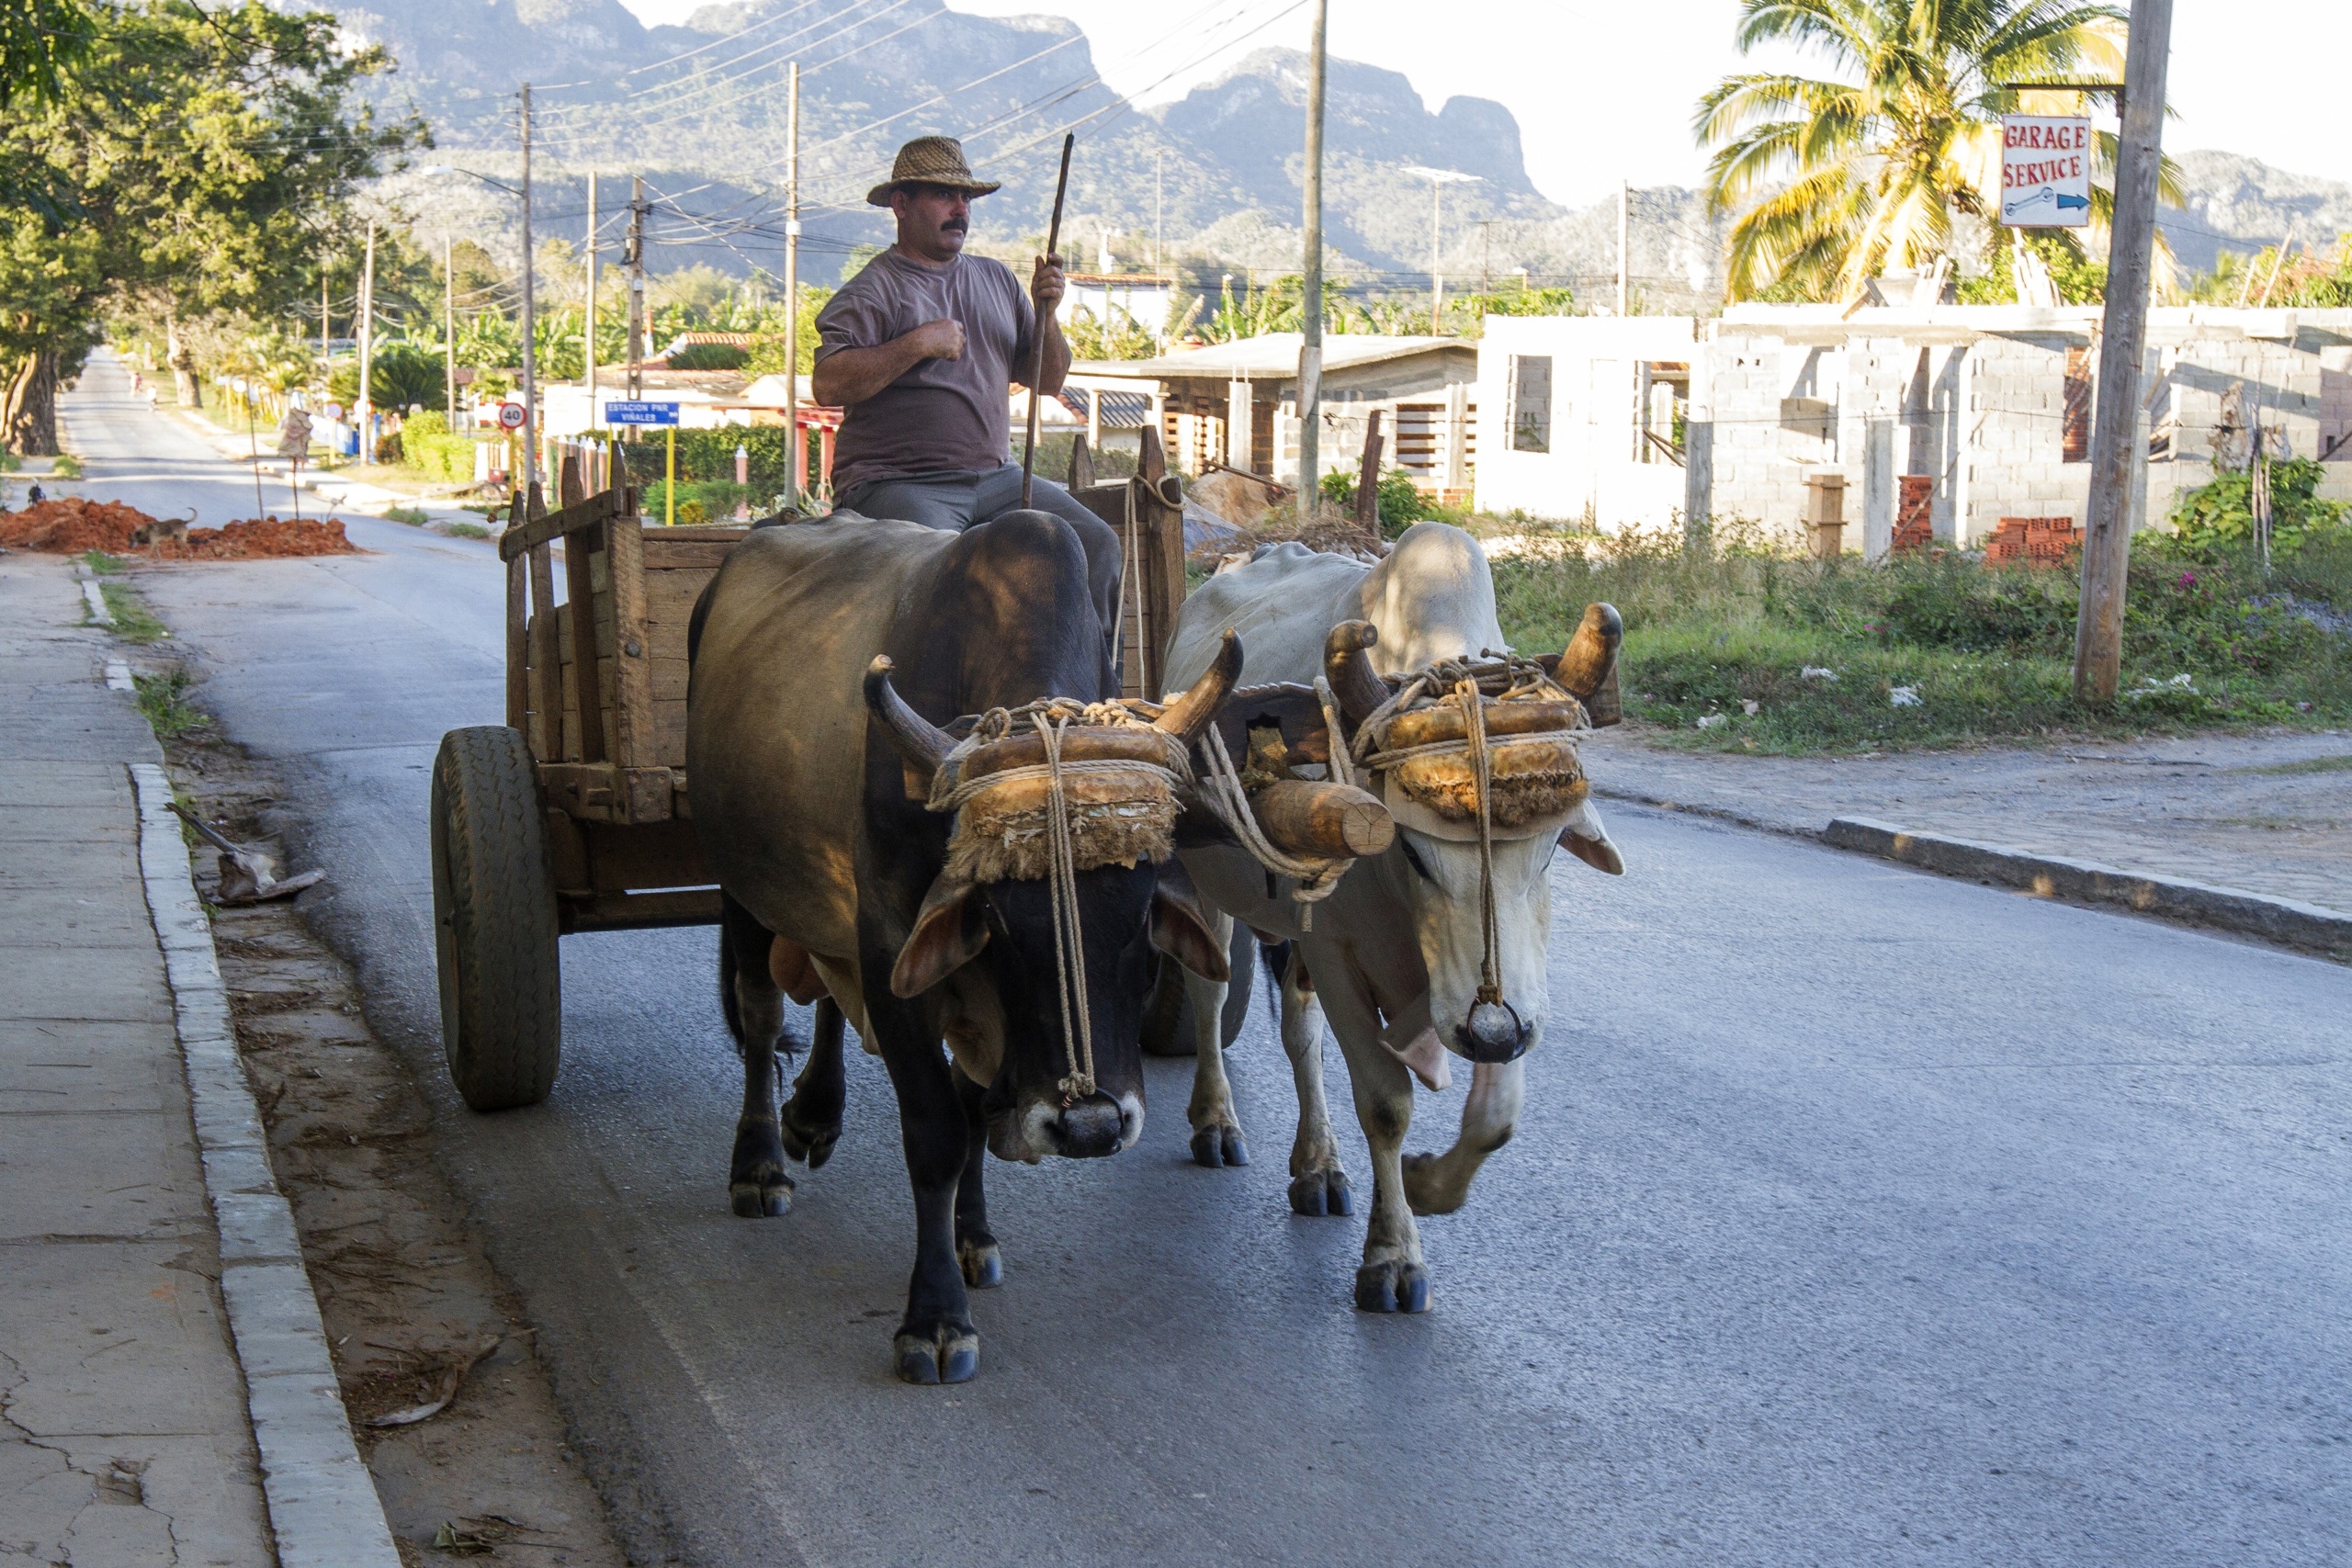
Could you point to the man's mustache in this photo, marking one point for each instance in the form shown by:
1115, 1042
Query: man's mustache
956, 225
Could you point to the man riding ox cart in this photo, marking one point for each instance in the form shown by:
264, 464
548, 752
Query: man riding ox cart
1439, 945
928, 810
920, 351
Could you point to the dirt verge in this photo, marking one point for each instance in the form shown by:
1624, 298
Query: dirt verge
418, 1318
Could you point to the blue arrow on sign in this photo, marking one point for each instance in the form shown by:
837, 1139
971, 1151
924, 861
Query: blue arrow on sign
641, 414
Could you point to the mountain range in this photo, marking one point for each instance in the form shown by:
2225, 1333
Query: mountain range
699, 112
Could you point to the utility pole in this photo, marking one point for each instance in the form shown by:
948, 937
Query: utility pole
530, 286
1310, 348
1159, 209
1486, 256
366, 412
794, 446
323, 349
2107, 539
633, 257
1437, 255
449, 326
1624, 228
588, 333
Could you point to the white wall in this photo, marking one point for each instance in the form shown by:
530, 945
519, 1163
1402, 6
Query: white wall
1596, 464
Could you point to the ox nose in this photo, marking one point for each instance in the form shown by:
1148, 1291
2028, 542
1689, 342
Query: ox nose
1493, 1033
1088, 1128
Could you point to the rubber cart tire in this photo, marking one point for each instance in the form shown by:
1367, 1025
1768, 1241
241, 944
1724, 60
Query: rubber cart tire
495, 919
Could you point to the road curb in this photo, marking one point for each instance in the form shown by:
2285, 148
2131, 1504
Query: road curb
322, 1504
2282, 920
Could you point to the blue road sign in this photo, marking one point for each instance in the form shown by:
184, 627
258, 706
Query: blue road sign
641, 414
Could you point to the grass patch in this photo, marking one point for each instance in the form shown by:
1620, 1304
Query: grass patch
2308, 765
414, 516
102, 563
466, 531
1780, 653
164, 699
66, 466
133, 622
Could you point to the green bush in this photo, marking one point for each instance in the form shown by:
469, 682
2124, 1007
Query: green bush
428, 448
2219, 516
707, 456
1401, 502
709, 356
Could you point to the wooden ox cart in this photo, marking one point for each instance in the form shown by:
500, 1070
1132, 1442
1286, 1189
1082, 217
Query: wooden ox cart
575, 815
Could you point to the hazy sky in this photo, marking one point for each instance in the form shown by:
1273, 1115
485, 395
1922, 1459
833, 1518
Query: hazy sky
1603, 91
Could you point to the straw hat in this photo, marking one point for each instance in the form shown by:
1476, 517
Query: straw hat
930, 161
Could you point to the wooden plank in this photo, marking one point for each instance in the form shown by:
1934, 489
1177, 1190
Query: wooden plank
518, 647
579, 552
547, 661
640, 911
663, 553
632, 663
670, 595
646, 854
670, 733
1161, 518
671, 673
554, 526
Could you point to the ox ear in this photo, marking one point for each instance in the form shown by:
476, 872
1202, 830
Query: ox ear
950, 930
1179, 927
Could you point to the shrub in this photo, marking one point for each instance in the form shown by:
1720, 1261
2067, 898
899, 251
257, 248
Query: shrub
1400, 501
2219, 516
428, 448
709, 356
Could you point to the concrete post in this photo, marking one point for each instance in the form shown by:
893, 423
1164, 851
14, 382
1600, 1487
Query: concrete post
1878, 487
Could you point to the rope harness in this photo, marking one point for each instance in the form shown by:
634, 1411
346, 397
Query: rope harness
1131, 817
1478, 689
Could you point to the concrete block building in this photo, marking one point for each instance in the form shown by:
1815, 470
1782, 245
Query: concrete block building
1946, 416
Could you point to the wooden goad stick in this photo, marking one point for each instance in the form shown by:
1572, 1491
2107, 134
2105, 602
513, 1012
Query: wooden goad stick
1037, 330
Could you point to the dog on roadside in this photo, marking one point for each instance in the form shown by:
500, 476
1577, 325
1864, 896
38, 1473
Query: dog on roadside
151, 537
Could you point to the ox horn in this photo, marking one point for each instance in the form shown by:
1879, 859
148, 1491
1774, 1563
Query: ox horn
1348, 667
1190, 710
1592, 652
922, 745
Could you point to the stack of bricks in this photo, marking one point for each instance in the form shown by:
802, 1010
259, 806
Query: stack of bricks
1915, 527
2035, 541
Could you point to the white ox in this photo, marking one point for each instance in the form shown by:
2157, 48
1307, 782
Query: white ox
1393, 956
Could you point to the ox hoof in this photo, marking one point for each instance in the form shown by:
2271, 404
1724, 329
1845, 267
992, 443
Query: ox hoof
1393, 1286
811, 1144
761, 1196
1322, 1192
1425, 1191
949, 1353
1214, 1146
983, 1265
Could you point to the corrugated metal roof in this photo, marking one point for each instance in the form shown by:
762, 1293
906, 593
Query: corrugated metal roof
1272, 358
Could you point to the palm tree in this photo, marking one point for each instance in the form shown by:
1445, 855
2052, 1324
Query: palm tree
1842, 179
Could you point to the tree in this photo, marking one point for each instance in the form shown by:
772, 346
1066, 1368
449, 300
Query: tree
1841, 179
194, 159
37, 40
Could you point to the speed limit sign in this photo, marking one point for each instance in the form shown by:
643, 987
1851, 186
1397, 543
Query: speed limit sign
509, 416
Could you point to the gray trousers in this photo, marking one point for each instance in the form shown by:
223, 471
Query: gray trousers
955, 500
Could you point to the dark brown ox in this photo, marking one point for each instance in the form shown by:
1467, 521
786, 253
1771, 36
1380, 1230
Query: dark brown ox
827, 659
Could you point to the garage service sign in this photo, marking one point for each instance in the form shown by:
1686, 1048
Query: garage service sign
2045, 171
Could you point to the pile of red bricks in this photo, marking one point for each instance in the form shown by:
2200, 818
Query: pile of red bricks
2033, 541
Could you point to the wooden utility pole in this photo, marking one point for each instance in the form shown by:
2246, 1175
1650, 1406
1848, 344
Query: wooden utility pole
1310, 348
793, 443
1437, 255
530, 431
323, 349
1624, 231
588, 331
449, 325
2106, 538
633, 257
366, 412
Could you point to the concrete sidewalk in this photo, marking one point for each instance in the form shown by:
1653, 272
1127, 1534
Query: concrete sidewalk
127, 1429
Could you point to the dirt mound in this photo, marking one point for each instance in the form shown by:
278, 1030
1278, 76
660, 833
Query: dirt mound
259, 538
70, 524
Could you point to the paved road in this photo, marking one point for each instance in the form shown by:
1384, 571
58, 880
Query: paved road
1857, 1216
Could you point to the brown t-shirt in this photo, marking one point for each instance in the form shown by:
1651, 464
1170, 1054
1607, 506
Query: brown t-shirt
944, 414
